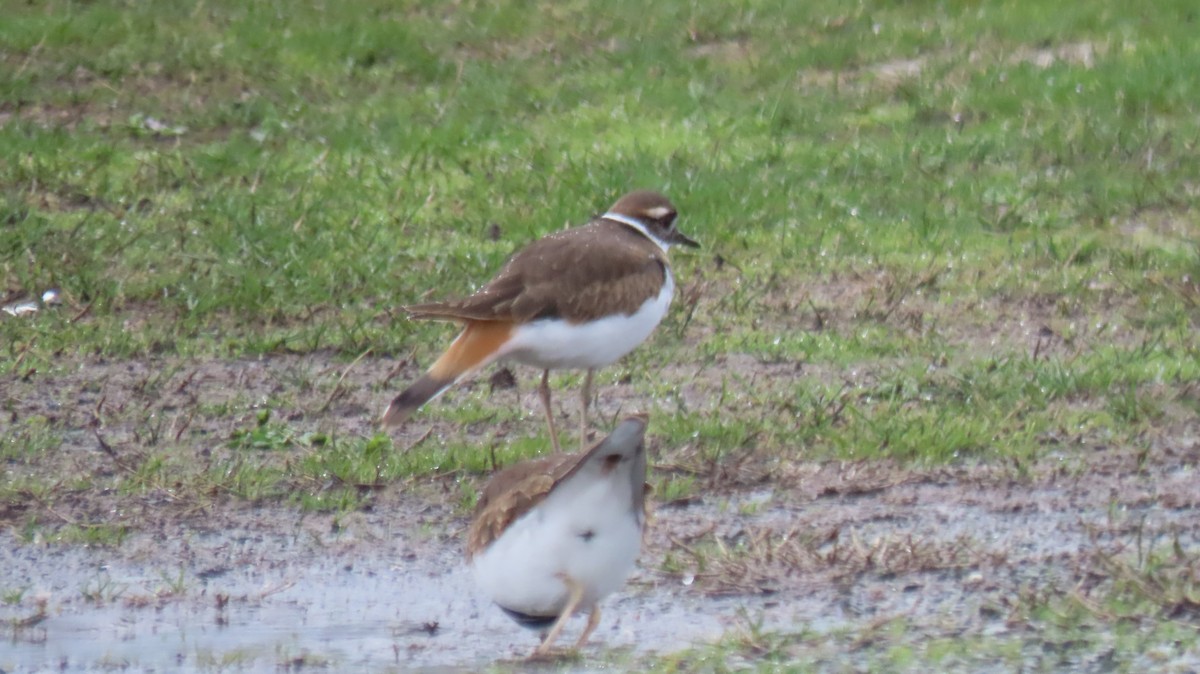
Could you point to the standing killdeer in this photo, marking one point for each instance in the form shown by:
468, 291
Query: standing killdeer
553, 536
580, 298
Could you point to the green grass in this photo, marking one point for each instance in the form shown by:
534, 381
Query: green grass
933, 232
340, 163
198, 186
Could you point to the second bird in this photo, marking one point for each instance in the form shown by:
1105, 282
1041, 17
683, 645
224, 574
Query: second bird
576, 299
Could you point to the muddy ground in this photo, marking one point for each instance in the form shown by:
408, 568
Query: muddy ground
206, 581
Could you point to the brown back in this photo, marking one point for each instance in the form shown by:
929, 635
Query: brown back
580, 274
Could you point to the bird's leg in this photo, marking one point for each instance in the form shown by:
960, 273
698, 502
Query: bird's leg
593, 621
583, 412
544, 392
573, 599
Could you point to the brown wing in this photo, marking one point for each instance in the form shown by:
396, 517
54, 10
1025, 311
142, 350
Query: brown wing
511, 493
515, 490
579, 274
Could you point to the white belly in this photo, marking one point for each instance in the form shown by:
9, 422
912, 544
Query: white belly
522, 570
556, 344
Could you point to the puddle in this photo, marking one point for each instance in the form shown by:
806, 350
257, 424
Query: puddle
252, 601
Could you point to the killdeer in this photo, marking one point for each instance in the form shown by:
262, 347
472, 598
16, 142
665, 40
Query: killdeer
580, 298
553, 536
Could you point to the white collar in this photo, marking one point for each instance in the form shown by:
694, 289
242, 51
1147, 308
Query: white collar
636, 224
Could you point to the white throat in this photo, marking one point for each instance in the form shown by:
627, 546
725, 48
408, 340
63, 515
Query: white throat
626, 220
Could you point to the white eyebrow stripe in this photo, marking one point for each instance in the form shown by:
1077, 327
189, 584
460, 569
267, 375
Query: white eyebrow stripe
636, 224
658, 212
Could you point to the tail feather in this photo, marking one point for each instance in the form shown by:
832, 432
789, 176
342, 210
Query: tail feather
410, 400
477, 345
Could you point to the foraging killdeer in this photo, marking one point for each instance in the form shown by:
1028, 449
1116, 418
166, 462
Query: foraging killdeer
551, 537
580, 298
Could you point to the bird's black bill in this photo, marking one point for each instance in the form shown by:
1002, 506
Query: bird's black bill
682, 239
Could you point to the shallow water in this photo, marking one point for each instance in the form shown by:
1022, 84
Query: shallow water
342, 606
